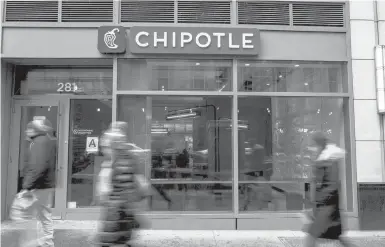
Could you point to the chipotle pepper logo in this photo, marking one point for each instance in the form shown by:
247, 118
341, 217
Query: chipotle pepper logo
110, 37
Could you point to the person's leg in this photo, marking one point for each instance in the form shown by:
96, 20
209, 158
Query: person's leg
27, 237
320, 224
345, 243
44, 217
310, 241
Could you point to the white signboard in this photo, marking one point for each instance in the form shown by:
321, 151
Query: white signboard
92, 144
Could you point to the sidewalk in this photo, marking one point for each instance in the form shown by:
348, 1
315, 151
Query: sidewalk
78, 234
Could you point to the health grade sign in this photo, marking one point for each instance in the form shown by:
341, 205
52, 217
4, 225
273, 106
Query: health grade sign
194, 40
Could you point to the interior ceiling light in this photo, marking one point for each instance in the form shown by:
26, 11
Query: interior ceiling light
242, 126
227, 123
191, 113
159, 130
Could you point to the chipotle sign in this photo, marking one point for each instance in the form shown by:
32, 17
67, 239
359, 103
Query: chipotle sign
194, 40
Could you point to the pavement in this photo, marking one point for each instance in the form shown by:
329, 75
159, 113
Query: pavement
80, 233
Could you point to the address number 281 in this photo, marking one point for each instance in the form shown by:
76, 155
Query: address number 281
67, 87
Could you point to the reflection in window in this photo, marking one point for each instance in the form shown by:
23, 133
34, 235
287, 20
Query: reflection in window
171, 75
291, 77
192, 197
33, 80
274, 159
190, 152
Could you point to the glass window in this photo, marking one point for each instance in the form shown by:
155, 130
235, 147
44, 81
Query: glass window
88, 119
37, 80
291, 77
274, 159
190, 164
174, 75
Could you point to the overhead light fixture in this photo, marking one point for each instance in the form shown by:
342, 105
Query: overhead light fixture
159, 131
247, 64
380, 77
297, 65
98, 109
190, 113
241, 126
197, 64
227, 123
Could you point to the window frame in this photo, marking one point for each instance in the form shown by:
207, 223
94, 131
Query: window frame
349, 125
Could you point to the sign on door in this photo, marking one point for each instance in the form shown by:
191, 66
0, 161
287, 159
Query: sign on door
92, 144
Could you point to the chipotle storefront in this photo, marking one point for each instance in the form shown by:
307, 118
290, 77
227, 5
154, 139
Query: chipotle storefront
226, 112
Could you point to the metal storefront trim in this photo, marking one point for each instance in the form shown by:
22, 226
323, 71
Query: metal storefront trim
177, 93
350, 113
114, 89
131, 24
215, 93
235, 140
213, 214
56, 97
294, 94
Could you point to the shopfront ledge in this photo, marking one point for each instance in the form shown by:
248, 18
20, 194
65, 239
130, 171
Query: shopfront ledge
131, 24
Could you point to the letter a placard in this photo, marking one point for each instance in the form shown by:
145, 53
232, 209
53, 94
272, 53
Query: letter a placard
92, 144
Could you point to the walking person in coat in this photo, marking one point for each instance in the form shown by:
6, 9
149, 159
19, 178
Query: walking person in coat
119, 190
326, 222
39, 181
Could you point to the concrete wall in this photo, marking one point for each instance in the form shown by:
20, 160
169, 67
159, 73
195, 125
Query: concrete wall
369, 139
82, 43
381, 40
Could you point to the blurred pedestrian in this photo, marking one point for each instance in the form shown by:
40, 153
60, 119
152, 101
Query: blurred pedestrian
119, 190
326, 221
39, 182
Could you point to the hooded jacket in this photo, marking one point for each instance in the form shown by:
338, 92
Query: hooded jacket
40, 169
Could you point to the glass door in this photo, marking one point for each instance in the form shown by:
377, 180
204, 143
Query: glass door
25, 111
88, 119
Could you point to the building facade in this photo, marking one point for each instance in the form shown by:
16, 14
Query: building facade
221, 95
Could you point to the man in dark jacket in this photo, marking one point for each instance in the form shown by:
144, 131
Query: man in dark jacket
39, 178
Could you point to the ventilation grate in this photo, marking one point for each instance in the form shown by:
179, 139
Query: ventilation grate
263, 13
87, 11
216, 12
147, 11
31, 11
318, 14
